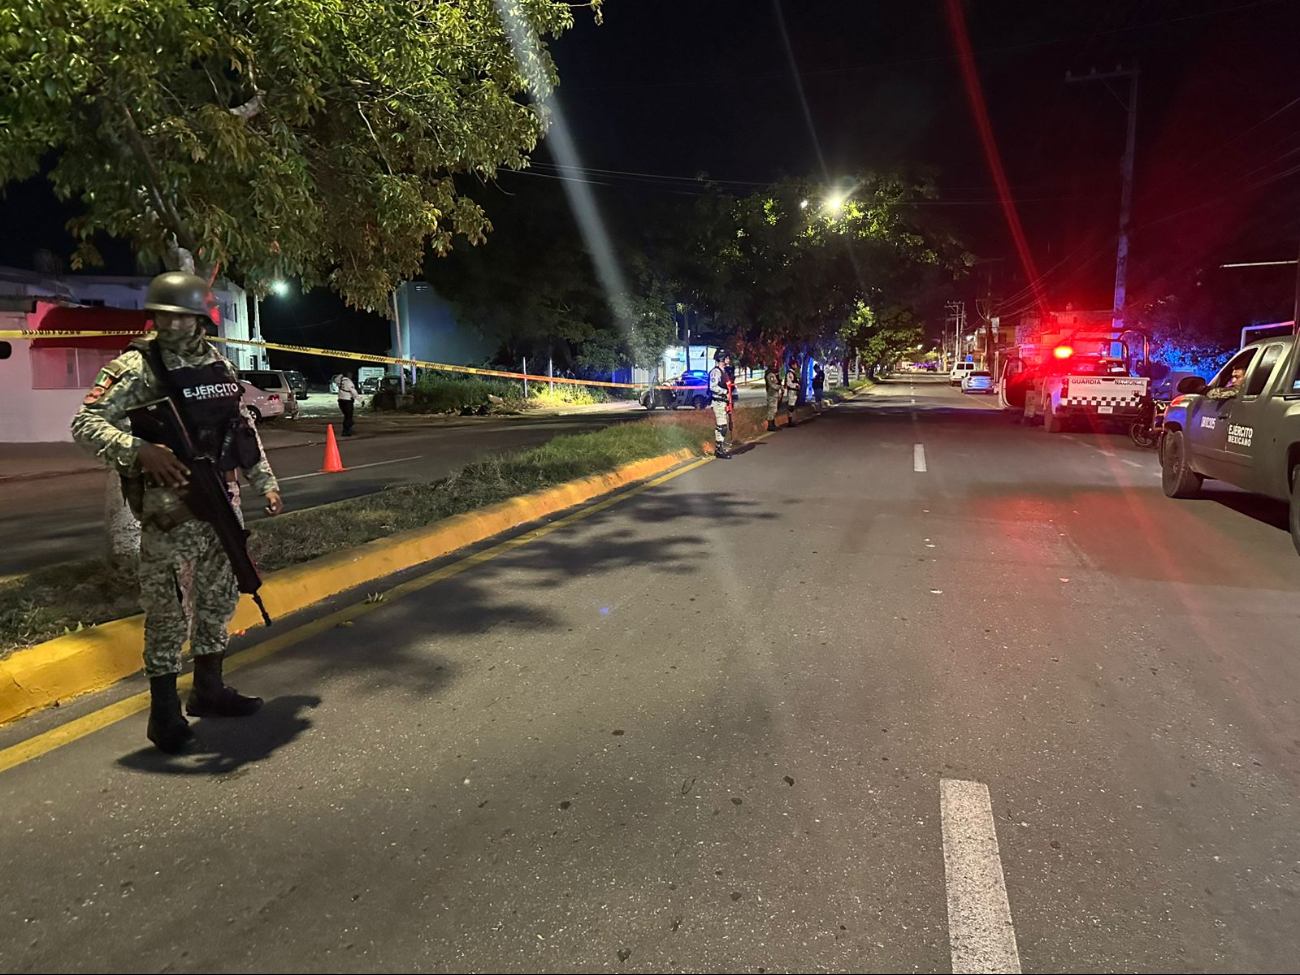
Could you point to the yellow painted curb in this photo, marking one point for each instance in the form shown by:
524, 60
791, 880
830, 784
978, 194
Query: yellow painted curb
98, 656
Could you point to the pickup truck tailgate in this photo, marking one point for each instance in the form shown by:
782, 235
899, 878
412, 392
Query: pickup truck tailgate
1104, 394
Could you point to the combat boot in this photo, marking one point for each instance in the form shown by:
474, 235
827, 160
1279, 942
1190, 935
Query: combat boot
212, 697
771, 425
168, 729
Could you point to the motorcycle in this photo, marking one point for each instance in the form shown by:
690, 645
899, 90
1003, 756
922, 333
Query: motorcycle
1148, 428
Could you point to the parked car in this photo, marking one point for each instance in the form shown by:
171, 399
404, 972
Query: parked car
261, 404
370, 385
977, 381
691, 388
298, 382
275, 381
959, 372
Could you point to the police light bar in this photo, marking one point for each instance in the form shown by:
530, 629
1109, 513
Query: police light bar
1063, 351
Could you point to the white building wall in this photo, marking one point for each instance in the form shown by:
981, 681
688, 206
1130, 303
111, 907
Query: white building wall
42, 415
31, 415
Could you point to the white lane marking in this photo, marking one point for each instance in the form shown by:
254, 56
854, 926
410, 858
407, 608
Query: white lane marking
1132, 463
980, 932
358, 467
918, 458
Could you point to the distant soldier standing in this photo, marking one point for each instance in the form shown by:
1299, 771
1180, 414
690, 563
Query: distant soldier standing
772, 381
793, 383
720, 391
184, 571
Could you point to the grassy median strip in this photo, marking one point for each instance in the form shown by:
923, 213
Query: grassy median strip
837, 394
61, 598
453, 394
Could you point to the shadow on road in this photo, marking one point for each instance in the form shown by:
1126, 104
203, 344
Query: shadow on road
230, 744
1275, 514
483, 600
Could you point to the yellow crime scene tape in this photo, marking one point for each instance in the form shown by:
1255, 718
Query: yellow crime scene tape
335, 354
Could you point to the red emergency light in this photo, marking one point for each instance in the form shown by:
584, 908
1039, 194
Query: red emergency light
1063, 351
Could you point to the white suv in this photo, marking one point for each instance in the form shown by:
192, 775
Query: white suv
277, 382
261, 404
959, 372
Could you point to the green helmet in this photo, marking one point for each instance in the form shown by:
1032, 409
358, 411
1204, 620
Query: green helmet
180, 292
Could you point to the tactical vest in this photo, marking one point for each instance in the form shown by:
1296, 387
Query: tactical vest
208, 398
721, 379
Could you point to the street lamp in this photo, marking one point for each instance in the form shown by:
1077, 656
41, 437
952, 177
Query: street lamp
803, 204
835, 203
280, 287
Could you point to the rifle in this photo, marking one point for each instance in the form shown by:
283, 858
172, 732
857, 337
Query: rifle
160, 422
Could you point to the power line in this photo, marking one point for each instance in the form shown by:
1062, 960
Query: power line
902, 62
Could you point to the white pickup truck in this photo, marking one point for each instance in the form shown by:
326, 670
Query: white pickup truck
1092, 387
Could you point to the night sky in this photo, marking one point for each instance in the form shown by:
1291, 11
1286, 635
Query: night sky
747, 91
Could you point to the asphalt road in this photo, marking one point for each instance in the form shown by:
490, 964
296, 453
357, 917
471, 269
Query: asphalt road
52, 520
909, 688
61, 518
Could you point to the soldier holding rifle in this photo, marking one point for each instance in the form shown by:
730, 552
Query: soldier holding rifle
167, 416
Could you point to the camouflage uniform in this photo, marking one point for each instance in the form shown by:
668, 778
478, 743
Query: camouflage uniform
772, 381
793, 383
184, 571
719, 390
1223, 392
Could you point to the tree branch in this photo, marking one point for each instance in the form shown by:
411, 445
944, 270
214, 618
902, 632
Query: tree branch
378, 145
166, 208
250, 109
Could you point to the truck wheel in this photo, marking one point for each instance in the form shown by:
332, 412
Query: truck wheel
1177, 477
1051, 419
1295, 508
699, 402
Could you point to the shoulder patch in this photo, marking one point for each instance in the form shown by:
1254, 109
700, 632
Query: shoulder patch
103, 382
121, 367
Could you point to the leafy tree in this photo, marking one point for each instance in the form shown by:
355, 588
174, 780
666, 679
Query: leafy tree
314, 138
534, 288
881, 338
791, 265
530, 287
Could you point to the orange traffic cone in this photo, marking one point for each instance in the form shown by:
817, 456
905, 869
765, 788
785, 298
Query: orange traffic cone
333, 462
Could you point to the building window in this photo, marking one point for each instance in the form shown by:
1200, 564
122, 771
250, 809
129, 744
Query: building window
68, 368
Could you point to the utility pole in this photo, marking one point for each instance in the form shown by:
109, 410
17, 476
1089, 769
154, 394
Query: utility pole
957, 316
1126, 194
401, 351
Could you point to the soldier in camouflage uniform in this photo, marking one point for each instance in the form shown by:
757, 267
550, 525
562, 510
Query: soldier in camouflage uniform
772, 381
793, 384
1229, 389
720, 390
185, 574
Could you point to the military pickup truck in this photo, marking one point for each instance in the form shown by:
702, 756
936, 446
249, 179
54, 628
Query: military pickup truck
1242, 427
